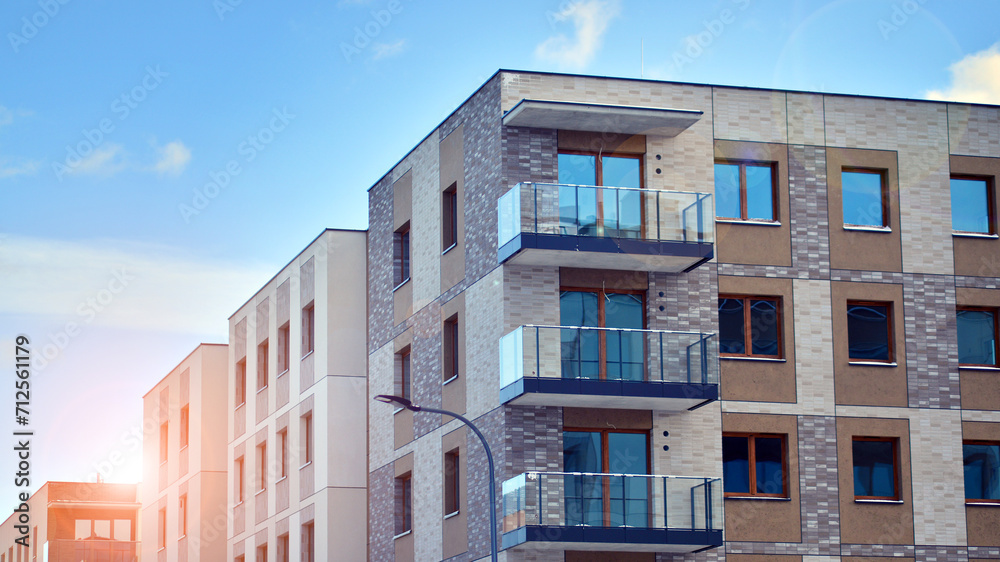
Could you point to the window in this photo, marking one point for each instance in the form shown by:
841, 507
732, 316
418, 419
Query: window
750, 326
262, 467
869, 331
606, 501
972, 205
450, 348
283, 451
241, 381
401, 255
182, 512
602, 354
403, 382
982, 471
308, 328
262, 364
284, 351
309, 542
283, 554
865, 198
261, 553
754, 465
163, 442
977, 336
449, 217
403, 489
588, 210
307, 445
185, 426
745, 191
161, 524
452, 484
875, 471
239, 473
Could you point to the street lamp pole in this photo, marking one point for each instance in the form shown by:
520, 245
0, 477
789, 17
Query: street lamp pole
405, 403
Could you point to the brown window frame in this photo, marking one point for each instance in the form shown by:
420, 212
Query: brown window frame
602, 321
164, 442
401, 255
890, 325
744, 205
748, 327
284, 348
241, 382
979, 442
261, 552
599, 178
185, 429
283, 453
283, 548
883, 182
449, 218
262, 466
752, 461
182, 514
403, 503
404, 379
263, 375
451, 349
307, 439
996, 334
452, 482
309, 542
991, 204
308, 328
240, 471
161, 523
895, 467
606, 463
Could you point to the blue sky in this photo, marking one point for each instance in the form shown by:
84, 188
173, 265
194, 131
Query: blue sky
160, 162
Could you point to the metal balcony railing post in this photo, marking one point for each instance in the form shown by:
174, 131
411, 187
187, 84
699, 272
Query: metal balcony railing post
538, 354
708, 505
704, 360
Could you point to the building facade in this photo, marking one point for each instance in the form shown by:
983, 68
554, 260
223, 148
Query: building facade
73, 521
297, 478
184, 513
692, 321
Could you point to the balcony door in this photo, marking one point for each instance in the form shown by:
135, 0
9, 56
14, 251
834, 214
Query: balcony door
606, 501
586, 210
602, 354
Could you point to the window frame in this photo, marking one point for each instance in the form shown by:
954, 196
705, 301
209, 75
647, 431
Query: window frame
890, 326
261, 467
751, 460
263, 356
401, 255
744, 200
748, 327
894, 441
185, 426
977, 501
449, 218
161, 523
240, 471
450, 349
884, 193
307, 438
599, 182
991, 217
164, 442
283, 553
309, 541
283, 452
602, 322
308, 328
404, 381
605, 432
284, 347
241, 382
183, 515
996, 334
452, 482
403, 504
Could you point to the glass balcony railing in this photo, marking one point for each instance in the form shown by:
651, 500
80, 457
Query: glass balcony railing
606, 212
570, 362
95, 550
607, 509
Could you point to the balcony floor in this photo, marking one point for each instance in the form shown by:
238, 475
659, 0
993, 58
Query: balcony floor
590, 393
622, 539
605, 253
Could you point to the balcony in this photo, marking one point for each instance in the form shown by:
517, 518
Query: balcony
612, 512
605, 227
608, 368
99, 550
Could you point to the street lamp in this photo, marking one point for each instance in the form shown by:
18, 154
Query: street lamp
399, 400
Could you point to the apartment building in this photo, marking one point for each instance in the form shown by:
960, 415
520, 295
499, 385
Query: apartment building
73, 521
184, 511
693, 321
297, 473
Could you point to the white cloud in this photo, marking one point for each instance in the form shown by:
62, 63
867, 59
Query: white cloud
174, 157
123, 284
384, 50
590, 19
974, 79
104, 161
24, 168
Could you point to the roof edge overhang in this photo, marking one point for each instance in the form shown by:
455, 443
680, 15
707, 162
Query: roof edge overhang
601, 118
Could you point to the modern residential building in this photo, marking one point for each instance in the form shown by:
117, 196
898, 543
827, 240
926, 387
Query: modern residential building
73, 521
297, 484
184, 510
693, 321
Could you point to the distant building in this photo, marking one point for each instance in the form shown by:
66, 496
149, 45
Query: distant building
74, 521
184, 513
297, 408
